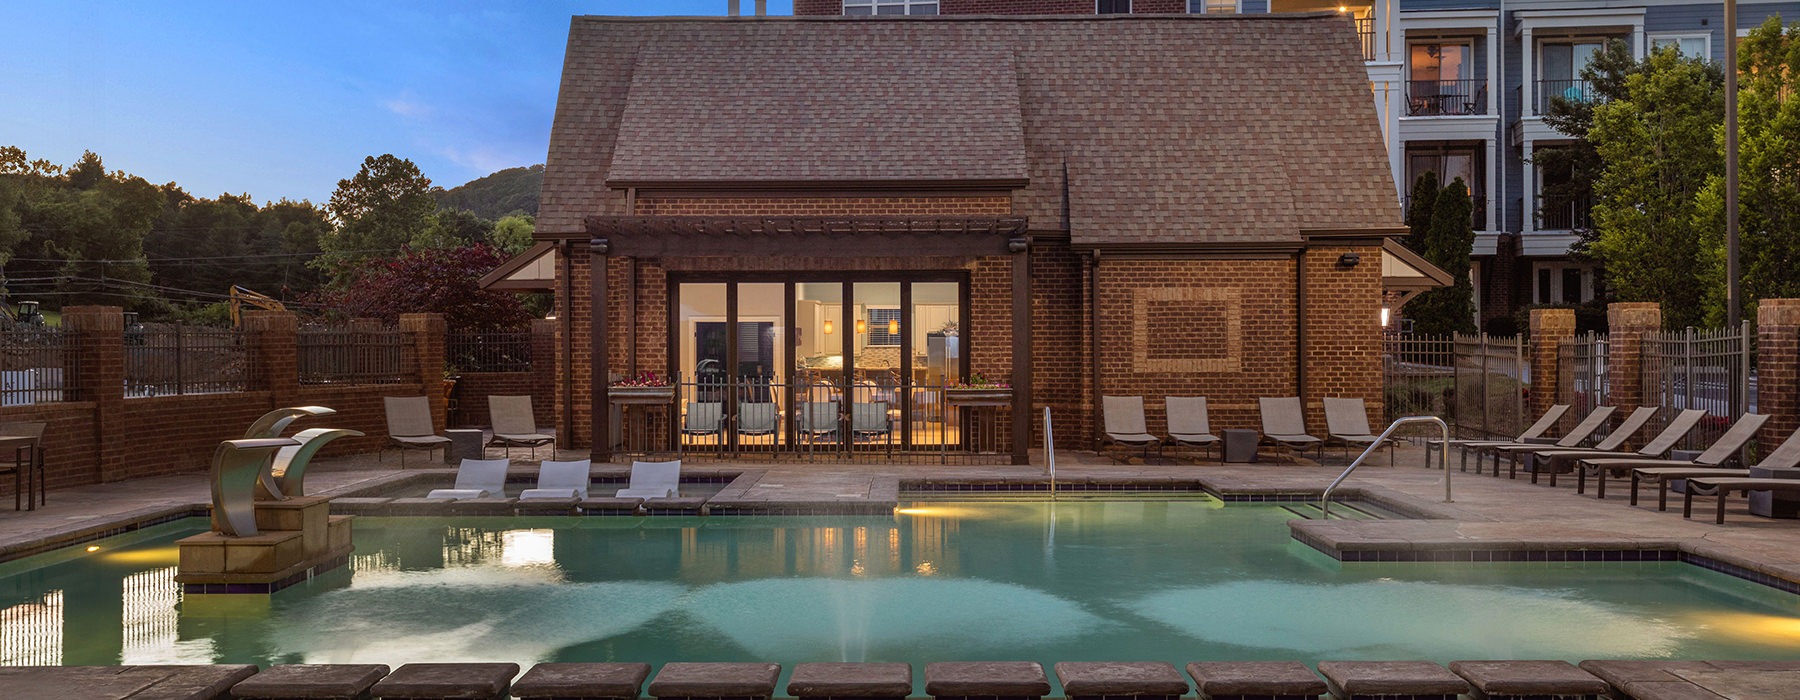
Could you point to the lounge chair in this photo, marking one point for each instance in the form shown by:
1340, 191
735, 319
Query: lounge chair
1533, 432
1657, 447
477, 478
27, 462
1125, 423
654, 480
757, 419
1613, 442
409, 426
560, 480
1711, 462
705, 418
1284, 424
1787, 456
515, 425
1572, 439
870, 420
1347, 423
1188, 423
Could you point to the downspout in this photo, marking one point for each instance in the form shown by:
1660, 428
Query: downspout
631, 296
566, 436
1094, 344
1300, 325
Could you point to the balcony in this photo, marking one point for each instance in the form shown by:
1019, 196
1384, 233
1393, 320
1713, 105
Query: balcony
1441, 98
1477, 209
1571, 90
1562, 213
1365, 30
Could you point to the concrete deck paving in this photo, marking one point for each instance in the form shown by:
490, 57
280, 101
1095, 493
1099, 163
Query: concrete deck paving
1486, 513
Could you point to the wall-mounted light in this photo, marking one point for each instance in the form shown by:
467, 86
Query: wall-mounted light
1349, 260
893, 326
1385, 315
828, 327
862, 326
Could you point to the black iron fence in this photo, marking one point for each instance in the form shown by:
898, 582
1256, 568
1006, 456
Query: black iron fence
351, 355
170, 360
1710, 370
1477, 383
720, 418
1570, 90
34, 366
1564, 213
1583, 380
1438, 98
1365, 31
501, 351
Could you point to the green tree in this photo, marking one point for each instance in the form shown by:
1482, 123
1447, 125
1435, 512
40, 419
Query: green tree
513, 233
382, 208
1605, 75
1658, 152
1418, 210
1449, 241
453, 228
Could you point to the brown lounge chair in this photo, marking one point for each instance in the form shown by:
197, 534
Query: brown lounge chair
1347, 423
1188, 423
1284, 424
1726, 447
1654, 449
1787, 456
1576, 435
1125, 425
1533, 432
1611, 444
515, 424
409, 426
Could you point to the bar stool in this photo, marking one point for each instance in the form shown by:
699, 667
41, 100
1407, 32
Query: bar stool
26, 439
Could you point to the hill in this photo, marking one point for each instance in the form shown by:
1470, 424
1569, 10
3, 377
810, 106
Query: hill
498, 194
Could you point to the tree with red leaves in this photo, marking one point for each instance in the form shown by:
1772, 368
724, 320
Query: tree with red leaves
440, 280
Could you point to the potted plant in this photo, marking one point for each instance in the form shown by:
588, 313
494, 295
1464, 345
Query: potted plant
646, 387
977, 389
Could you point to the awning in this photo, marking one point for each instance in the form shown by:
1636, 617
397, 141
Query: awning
531, 271
1406, 273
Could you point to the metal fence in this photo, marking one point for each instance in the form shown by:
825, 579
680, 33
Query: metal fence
1583, 381
169, 360
34, 366
504, 351
720, 418
1474, 382
1710, 370
351, 355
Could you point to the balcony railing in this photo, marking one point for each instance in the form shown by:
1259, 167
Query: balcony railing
1365, 30
1477, 210
1565, 213
1571, 90
1436, 98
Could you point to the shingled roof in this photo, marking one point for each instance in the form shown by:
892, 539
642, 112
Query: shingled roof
1170, 129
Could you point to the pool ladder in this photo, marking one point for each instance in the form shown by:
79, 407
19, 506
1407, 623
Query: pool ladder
1443, 459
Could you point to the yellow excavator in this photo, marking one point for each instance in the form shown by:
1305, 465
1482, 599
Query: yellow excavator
241, 297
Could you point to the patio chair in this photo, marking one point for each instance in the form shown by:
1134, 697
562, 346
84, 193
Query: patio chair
1787, 456
1534, 432
409, 426
477, 478
1611, 443
1662, 470
869, 420
654, 480
705, 418
1579, 434
1347, 423
515, 425
560, 480
757, 419
28, 461
818, 420
1284, 425
1188, 424
1657, 447
1125, 423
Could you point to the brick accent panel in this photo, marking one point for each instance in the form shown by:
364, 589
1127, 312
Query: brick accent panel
1004, 7
963, 205
574, 388
1626, 323
1343, 332
1778, 369
1060, 344
1550, 328
990, 329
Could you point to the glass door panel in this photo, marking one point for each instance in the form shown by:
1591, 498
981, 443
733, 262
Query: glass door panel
760, 368
937, 359
701, 363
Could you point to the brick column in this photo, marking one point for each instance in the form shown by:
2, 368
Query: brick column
427, 335
543, 370
1778, 369
1627, 322
98, 351
1549, 329
275, 354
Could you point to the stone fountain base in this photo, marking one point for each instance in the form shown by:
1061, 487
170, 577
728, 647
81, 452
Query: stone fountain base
298, 538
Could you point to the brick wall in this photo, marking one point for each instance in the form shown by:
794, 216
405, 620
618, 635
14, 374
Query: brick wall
1778, 369
1004, 7
473, 388
1550, 328
1343, 331
1059, 339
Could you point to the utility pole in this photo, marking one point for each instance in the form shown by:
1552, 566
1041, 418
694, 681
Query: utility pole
1734, 305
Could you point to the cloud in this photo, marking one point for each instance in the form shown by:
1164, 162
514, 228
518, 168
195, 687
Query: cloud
409, 105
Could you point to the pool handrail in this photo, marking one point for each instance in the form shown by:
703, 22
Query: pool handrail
1443, 459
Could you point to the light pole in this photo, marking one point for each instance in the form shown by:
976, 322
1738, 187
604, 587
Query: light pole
1733, 303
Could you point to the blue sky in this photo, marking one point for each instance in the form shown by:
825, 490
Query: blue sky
283, 99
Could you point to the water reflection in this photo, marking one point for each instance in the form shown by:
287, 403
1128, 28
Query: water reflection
31, 633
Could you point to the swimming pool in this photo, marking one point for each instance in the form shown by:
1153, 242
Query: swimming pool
1175, 580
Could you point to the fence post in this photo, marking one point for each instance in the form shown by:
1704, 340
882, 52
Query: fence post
1778, 368
97, 347
1742, 382
426, 333
274, 338
1550, 329
1627, 323
1687, 367
1487, 423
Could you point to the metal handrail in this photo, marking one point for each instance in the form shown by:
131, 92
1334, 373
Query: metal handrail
1050, 452
1443, 459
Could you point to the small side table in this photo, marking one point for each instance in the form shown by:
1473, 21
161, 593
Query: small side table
465, 443
1240, 445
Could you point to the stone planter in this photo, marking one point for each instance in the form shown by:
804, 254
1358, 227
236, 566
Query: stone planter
978, 397
641, 394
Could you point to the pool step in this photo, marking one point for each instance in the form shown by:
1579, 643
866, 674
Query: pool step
1339, 511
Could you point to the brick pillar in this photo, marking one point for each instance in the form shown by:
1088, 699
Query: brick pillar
427, 334
1627, 322
1778, 369
543, 370
275, 354
98, 350
1549, 329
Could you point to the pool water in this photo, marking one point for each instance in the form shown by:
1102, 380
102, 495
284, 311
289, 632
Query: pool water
1174, 580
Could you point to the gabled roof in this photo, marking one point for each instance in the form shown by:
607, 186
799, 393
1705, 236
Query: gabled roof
532, 270
1125, 129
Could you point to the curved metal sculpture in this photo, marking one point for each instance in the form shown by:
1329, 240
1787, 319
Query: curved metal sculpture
236, 468
287, 474
272, 423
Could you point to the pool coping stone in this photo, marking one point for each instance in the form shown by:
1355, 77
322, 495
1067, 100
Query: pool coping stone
297, 681
963, 679
1518, 678
1086, 679
850, 680
1350, 680
1245, 679
686, 679
435, 681
618, 681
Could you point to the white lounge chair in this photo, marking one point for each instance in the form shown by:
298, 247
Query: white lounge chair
1188, 422
477, 478
515, 424
654, 480
560, 480
1284, 423
1125, 423
1347, 423
758, 419
869, 421
409, 426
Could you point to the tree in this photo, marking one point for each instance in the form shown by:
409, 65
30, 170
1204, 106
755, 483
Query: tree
1655, 142
1605, 75
513, 233
509, 191
383, 208
1449, 240
1418, 210
442, 280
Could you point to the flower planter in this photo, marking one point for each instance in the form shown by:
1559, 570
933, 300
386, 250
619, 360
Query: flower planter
978, 397
641, 394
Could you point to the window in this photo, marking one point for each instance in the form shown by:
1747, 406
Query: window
1112, 7
879, 320
1690, 45
890, 7
1449, 163
1442, 80
1563, 283
1212, 7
